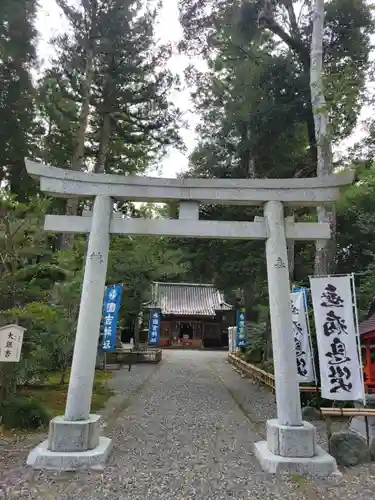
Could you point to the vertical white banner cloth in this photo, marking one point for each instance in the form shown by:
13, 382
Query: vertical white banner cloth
340, 367
305, 367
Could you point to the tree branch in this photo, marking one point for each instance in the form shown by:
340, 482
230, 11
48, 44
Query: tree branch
288, 4
296, 45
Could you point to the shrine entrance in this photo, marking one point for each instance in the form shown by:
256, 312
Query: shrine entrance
291, 443
186, 331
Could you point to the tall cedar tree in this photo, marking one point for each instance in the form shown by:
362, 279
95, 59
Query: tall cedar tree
17, 96
107, 94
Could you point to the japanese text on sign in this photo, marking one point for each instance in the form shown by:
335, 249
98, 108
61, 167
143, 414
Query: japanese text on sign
11, 338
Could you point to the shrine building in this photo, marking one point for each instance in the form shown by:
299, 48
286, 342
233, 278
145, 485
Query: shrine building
191, 315
367, 335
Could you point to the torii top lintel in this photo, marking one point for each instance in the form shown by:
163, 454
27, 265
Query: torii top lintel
296, 192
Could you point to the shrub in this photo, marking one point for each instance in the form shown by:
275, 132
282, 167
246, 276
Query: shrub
20, 412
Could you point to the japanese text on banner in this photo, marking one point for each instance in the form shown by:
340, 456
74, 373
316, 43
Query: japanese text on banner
154, 328
241, 340
305, 366
340, 367
112, 302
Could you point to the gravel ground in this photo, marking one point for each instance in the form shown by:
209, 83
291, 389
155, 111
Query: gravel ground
182, 430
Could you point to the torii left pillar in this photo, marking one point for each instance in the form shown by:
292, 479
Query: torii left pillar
74, 440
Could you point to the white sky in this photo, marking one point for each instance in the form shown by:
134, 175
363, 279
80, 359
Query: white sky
51, 22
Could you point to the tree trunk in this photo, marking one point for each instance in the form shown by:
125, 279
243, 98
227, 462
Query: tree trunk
325, 250
292, 19
105, 134
4, 384
247, 162
106, 112
291, 251
67, 239
136, 334
63, 374
8, 381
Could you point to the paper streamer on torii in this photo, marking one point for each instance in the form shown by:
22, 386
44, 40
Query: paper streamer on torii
341, 375
301, 333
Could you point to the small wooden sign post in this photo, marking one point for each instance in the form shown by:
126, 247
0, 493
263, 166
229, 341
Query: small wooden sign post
11, 338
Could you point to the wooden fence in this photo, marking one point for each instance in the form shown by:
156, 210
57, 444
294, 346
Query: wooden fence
266, 378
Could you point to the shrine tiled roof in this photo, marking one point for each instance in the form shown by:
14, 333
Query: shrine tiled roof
367, 326
187, 299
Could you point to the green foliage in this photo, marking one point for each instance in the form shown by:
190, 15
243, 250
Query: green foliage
25, 253
131, 121
39, 290
348, 27
17, 94
356, 233
39, 319
255, 353
259, 79
59, 111
23, 413
137, 262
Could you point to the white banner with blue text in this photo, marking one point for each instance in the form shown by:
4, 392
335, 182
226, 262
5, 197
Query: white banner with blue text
340, 367
301, 333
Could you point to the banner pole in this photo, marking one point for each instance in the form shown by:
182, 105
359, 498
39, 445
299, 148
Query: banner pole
312, 354
358, 338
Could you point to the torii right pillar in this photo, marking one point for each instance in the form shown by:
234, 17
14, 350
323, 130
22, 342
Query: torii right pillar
291, 443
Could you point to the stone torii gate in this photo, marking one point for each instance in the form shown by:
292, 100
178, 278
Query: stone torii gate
74, 440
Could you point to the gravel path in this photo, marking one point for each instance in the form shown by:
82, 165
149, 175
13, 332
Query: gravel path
182, 430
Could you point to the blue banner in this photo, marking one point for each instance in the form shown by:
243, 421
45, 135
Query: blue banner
241, 340
112, 301
305, 292
154, 328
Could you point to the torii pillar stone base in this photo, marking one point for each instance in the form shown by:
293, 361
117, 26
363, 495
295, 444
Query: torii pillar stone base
291, 443
91, 456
